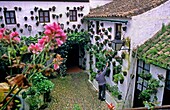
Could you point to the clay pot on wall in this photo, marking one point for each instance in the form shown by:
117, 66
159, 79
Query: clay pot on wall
5, 8
35, 9
67, 8
20, 8
21, 30
18, 25
16, 8
31, 12
25, 18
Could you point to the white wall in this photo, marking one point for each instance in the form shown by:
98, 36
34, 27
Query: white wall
97, 3
155, 71
29, 6
144, 26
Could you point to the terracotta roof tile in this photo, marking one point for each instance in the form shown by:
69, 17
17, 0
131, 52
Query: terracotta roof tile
124, 8
156, 50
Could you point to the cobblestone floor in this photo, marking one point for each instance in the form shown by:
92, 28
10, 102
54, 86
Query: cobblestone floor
72, 91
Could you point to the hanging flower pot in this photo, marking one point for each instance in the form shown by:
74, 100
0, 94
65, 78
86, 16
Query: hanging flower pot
110, 29
21, 30
20, 8
0, 8
35, 9
67, 14
37, 23
32, 17
25, 18
36, 17
78, 8
15, 8
81, 14
76, 30
1, 17
53, 8
103, 29
101, 24
18, 25
67, 22
49, 9
39, 33
53, 16
57, 16
106, 32
74, 26
41, 9
78, 26
2, 25
67, 8
124, 73
31, 12
26, 25
5, 9
14, 29
60, 15
81, 8
124, 28
74, 8
109, 36
82, 30
82, 21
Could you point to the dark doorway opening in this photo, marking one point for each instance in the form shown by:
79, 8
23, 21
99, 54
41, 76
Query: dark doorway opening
167, 90
73, 56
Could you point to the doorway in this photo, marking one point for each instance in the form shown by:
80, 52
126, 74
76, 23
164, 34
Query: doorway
73, 56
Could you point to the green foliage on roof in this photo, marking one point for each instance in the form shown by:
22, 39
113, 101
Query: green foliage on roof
157, 49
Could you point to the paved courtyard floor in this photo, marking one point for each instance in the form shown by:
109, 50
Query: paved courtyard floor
74, 91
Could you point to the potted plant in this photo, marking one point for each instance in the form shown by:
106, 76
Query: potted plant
25, 18
21, 30
36, 17
14, 29
20, 8
35, 9
15, 8
67, 8
18, 25
2, 25
31, 12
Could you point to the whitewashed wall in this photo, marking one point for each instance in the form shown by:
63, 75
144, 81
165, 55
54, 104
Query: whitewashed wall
97, 3
155, 71
29, 6
144, 26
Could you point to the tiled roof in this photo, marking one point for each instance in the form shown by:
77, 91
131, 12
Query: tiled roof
156, 50
124, 8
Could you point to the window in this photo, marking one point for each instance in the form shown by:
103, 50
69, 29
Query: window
168, 80
97, 27
118, 32
142, 67
73, 15
10, 17
44, 16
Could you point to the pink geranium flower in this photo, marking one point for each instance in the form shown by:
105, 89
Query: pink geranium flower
14, 34
56, 66
17, 39
35, 48
59, 42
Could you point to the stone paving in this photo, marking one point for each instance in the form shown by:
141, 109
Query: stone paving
74, 91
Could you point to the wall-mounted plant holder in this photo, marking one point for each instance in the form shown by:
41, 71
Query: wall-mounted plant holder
53, 8
53, 16
39, 33
67, 14
26, 25
1, 17
0, 8
67, 22
32, 17
78, 8
101, 24
2, 25
25, 18
124, 28
49, 9
81, 14
41, 9
106, 32
82, 30
16, 8
57, 16
109, 29
65, 30
82, 21
81, 8
109, 36
14, 29
76, 30
74, 8
103, 29
74, 26
78, 26
35, 9
60, 15
36, 17
21, 30
18, 25
20, 8
67, 8
37, 23
5, 8
31, 12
